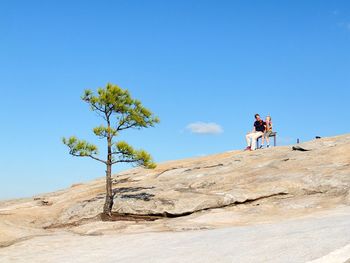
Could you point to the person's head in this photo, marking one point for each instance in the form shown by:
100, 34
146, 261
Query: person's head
257, 117
268, 118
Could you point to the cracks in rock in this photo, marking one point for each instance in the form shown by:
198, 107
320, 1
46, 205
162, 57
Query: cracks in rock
18, 240
78, 222
330, 191
96, 198
122, 190
190, 169
120, 181
235, 203
204, 167
166, 202
167, 170
156, 216
124, 180
124, 194
313, 192
138, 196
5, 214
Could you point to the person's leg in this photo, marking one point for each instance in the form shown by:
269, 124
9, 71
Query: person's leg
248, 139
262, 141
255, 136
268, 134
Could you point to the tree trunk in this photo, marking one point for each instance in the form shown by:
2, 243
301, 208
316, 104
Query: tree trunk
107, 208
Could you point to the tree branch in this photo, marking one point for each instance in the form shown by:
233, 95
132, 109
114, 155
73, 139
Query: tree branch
126, 161
97, 108
121, 123
120, 128
91, 156
114, 153
97, 159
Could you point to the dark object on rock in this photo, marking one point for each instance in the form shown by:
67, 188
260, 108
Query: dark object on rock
45, 203
140, 196
318, 137
298, 148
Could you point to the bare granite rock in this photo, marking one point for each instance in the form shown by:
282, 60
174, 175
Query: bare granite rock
228, 189
183, 187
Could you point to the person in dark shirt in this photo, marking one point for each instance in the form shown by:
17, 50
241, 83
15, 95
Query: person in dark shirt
257, 132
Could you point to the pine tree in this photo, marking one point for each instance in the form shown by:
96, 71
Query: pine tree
120, 112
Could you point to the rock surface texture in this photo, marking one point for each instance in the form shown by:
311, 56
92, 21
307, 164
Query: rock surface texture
217, 194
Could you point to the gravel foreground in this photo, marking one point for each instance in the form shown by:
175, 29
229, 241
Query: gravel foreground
317, 239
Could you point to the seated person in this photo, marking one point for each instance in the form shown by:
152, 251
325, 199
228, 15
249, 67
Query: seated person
267, 133
257, 132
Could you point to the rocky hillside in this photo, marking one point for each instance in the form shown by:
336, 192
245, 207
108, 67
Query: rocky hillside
232, 188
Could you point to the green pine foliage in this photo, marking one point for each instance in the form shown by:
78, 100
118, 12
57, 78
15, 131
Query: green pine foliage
120, 112
127, 153
80, 147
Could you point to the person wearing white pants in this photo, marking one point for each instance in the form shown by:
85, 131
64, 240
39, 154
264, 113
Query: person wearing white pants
258, 131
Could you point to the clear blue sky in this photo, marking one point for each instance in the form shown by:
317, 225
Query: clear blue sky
189, 61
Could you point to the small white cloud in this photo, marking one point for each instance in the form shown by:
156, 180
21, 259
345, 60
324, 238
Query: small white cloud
204, 128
